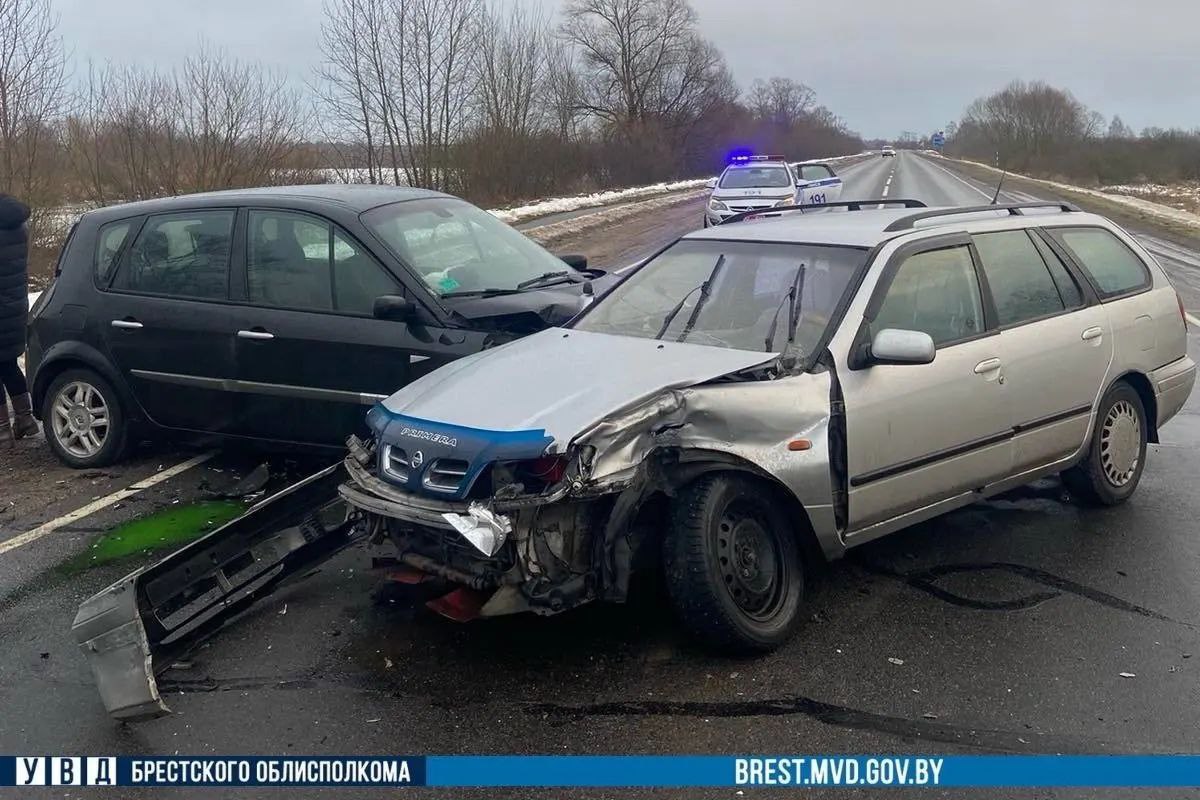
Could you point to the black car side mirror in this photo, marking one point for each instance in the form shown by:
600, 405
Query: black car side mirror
394, 307
575, 260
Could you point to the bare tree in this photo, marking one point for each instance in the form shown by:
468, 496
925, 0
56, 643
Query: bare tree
214, 123
781, 101
646, 74
33, 95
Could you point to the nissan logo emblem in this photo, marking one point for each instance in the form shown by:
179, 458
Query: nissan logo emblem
417, 459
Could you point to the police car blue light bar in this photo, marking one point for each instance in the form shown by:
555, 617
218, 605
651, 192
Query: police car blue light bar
742, 159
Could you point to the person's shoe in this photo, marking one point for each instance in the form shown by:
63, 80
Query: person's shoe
23, 422
6, 437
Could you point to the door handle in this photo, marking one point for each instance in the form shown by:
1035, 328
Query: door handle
256, 334
127, 324
1094, 332
987, 365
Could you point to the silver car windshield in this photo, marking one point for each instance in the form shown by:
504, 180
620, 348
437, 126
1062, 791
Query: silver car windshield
756, 178
456, 248
740, 295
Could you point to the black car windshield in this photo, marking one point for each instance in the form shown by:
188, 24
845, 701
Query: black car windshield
456, 248
756, 178
748, 300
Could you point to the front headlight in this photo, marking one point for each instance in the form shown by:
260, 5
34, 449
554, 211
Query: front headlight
716, 205
787, 201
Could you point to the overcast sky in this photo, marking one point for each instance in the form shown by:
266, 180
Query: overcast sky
884, 66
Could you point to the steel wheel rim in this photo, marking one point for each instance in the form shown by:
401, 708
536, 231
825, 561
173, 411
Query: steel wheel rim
1120, 443
751, 562
79, 418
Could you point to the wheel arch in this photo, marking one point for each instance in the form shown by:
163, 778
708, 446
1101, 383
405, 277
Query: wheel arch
76, 355
692, 464
1141, 384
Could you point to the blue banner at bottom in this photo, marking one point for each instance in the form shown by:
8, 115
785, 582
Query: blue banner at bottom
799, 771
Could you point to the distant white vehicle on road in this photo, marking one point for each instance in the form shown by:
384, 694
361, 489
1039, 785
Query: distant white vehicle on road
888, 151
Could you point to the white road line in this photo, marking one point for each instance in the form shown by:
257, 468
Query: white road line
1191, 320
970, 186
104, 502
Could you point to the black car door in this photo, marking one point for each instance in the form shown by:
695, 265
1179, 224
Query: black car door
167, 322
311, 358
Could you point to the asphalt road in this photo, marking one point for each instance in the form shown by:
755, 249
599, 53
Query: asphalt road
1003, 627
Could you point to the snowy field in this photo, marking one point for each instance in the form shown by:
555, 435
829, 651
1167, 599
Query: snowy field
1185, 196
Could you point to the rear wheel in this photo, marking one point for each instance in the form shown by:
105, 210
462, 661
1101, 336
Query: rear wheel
733, 565
83, 420
1116, 455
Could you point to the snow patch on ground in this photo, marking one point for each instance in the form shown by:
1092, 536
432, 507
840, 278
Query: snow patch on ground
1159, 211
545, 234
558, 205
1184, 196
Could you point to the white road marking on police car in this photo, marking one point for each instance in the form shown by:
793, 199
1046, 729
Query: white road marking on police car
101, 503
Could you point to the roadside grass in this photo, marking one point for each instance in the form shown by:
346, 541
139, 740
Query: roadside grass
1121, 213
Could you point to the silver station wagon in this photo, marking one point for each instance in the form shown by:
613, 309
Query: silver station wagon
774, 391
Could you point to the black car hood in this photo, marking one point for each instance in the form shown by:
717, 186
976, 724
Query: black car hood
529, 311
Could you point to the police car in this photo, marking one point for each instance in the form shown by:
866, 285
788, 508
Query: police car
816, 183
758, 183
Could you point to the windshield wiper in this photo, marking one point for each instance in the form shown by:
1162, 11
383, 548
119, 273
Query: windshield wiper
705, 290
793, 296
543, 278
479, 293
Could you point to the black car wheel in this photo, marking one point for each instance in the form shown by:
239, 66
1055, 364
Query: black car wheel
733, 565
83, 420
1116, 455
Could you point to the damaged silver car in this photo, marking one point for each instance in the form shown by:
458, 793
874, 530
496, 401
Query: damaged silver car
762, 394
756, 398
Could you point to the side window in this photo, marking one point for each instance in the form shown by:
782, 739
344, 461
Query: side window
182, 255
1068, 289
1113, 267
936, 292
1020, 282
287, 261
302, 262
109, 240
815, 172
357, 278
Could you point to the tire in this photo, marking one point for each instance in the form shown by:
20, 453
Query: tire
749, 610
1105, 476
69, 409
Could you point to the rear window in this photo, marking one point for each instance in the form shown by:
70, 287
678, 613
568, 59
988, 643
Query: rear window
109, 241
1112, 266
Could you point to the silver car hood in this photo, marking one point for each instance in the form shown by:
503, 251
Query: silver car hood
561, 381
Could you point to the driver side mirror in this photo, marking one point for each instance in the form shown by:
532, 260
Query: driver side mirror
896, 346
394, 307
712, 183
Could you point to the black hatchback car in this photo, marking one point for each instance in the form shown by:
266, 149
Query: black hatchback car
276, 314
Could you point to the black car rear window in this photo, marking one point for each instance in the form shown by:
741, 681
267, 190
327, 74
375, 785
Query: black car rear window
109, 241
1112, 266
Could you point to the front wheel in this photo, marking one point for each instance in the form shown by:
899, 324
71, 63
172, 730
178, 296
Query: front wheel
1116, 455
733, 565
83, 420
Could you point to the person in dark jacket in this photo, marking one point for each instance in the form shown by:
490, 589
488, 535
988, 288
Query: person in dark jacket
14, 309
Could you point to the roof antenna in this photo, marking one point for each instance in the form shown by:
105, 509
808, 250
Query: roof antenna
996, 196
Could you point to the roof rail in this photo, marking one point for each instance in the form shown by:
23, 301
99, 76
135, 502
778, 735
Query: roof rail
1014, 209
849, 205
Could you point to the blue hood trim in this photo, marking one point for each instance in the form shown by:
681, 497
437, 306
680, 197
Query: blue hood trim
439, 440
